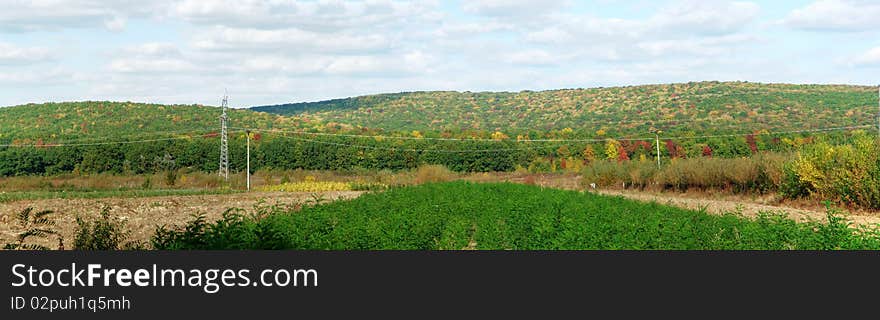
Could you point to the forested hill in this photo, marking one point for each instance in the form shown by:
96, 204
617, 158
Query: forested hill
98, 120
686, 107
677, 109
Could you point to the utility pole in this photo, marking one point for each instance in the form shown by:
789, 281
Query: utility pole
657, 135
224, 141
248, 136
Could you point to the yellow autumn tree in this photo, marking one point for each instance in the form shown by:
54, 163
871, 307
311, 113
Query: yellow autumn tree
612, 149
498, 135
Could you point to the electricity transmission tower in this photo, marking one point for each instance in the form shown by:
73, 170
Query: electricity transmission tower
224, 141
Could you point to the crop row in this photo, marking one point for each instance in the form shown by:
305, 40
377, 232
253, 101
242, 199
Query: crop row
459, 215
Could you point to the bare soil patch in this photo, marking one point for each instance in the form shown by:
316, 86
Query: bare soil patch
749, 209
143, 215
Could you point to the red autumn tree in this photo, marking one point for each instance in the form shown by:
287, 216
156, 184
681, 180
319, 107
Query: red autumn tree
707, 151
671, 148
753, 145
622, 155
679, 152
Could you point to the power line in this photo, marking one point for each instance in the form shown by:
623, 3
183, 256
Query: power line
92, 144
766, 133
417, 150
188, 131
429, 138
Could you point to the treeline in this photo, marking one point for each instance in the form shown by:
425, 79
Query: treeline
343, 153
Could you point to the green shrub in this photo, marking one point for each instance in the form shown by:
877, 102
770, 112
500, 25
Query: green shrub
233, 231
104, 233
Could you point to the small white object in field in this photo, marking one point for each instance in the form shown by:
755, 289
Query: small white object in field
593, 185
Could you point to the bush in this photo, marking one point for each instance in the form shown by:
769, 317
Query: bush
604, 173
845, 173
233, 231
104, 233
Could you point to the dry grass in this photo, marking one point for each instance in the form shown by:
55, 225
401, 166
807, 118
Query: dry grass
761, 173
433, 173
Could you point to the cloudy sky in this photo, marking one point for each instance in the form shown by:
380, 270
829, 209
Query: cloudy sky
277, 51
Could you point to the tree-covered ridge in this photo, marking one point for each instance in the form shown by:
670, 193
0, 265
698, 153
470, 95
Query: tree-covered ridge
684, 108
50, 123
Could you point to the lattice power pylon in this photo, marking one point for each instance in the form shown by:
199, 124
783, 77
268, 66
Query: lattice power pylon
224, 141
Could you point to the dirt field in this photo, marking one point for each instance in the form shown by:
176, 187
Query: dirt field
143, 215
749, 209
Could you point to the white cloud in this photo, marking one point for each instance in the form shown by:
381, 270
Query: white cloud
116, 23
152, 49
153, 57
293, 39
312, 15
471, 29
704, 17
501, 8
678, 29
142, 65
15, 55
836, 15
533, 57
707, 46
33, 78
52, 15
868, 58
331, 65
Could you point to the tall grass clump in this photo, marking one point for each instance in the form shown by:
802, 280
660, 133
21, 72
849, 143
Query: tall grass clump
759, 174
433, 173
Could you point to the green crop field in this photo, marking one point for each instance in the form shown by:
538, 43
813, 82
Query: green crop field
460, 215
